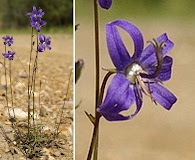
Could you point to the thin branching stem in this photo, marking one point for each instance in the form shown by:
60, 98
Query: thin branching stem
29, 81
34, 80
97, 87
63, 106
20, 61
13, 76
6, 87
93, 146
94, 137
11, 91
97, 55
103, 87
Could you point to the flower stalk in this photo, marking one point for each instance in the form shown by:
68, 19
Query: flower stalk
94, 140
29, 84
6, 96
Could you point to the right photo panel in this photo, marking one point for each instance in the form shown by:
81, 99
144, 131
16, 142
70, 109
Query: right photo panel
134, 82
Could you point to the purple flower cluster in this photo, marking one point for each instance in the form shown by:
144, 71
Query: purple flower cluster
9, 55
8, 40
36, 18
44, 43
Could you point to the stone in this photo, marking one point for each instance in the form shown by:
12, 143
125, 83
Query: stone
19, 114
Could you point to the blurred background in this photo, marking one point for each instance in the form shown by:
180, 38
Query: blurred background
155, 133
58, 14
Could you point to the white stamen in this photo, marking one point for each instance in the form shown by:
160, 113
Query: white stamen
132, 71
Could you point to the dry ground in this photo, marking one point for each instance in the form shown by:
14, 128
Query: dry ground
54, 68
154, 134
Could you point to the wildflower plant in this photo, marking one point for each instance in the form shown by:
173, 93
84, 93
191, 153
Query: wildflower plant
141, 74
32, 139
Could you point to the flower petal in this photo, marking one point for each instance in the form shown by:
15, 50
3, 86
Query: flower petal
119, 97
138, 101
48, 47
106, 4
42, 38
163, 96
148, 57
41, 47
117, 50
165, 72
134, 33
116, 47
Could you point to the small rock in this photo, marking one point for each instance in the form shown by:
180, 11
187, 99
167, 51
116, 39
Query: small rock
44, 110
19, 86
3, 81
44, 93
22, 74
18, 112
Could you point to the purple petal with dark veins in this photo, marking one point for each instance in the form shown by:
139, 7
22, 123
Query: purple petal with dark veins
42, 38
163, 96
119, 97
117, 50
41, 47
138, 101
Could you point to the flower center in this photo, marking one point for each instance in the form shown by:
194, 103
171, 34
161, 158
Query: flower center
132, 71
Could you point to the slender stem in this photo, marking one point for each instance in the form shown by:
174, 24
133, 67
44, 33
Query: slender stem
19, 61
63, 107
97, 56
29, 73
34, 81
94, 137
10, 78
97, 62
97, 59
94, 140
103, 86
97, 86
14, 76
6, 94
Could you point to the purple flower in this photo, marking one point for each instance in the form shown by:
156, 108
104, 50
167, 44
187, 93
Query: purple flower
37, 23
130, 82
8, 40
36, 20
44, 43
9, 55
106, 4
35, 13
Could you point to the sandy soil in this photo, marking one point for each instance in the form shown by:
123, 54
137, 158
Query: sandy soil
155, 134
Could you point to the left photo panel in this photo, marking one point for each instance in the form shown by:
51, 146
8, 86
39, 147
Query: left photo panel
36, 78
